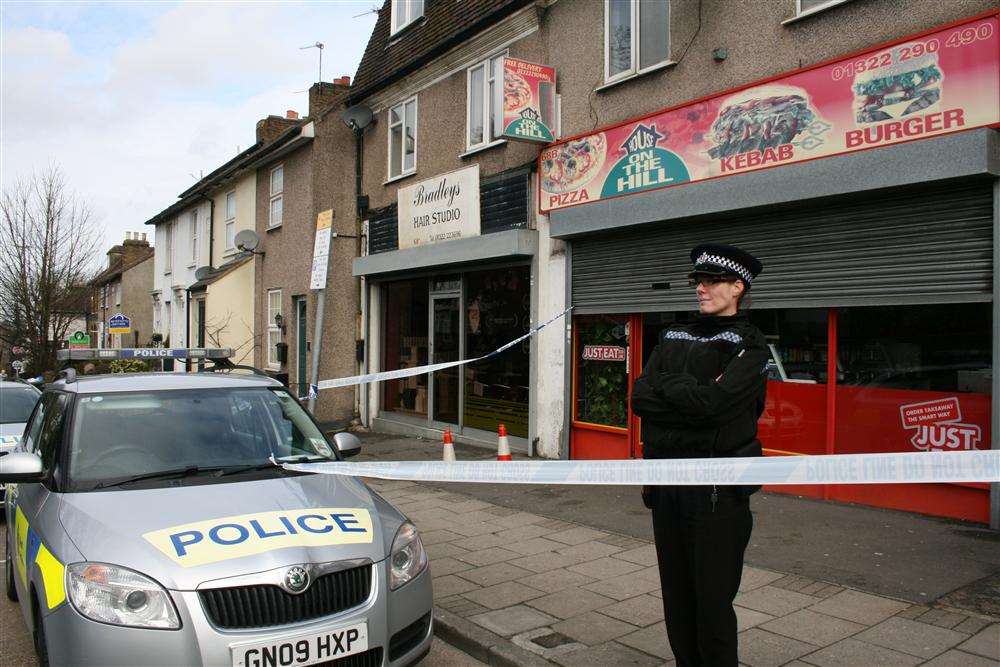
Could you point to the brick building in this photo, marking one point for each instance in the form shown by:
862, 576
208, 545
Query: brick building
123, 287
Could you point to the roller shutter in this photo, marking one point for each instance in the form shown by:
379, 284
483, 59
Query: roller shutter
901, 247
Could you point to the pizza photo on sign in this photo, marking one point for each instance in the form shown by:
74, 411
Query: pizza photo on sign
898, 90
760, 118
516, 92
572, 165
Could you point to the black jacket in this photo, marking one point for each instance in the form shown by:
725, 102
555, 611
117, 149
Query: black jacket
703, 390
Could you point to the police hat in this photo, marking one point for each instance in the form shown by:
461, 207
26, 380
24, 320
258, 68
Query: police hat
716, 259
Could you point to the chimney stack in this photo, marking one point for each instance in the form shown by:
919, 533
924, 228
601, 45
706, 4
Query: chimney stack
292, 114
323, 95
269, 128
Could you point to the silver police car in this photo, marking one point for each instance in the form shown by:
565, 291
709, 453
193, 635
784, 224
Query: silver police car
150, 521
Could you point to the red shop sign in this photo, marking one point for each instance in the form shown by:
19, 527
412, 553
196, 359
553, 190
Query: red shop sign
934, 83
603, 353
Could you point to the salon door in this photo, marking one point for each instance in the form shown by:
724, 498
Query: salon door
605, 358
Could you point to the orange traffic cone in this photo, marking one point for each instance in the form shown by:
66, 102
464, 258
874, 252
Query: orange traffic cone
449, 447
503, 448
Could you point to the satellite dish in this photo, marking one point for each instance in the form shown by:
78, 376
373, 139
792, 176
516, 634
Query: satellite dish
247, 240
357, 117
202, 273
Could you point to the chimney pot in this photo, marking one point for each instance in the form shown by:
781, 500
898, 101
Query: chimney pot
343, 81
291, 115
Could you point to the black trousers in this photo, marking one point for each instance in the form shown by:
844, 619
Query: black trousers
700, 553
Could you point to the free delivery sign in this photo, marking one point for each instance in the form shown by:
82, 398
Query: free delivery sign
529, 97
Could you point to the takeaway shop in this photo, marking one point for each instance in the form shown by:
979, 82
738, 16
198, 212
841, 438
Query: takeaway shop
448, 276
869, 194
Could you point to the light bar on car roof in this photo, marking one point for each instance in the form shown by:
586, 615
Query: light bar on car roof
145, 353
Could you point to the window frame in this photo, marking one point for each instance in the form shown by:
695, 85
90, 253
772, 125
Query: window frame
403, 173
635, 67
274, 196
273, 330
487, 65
823, 6
394, 24
168, 248
194, 237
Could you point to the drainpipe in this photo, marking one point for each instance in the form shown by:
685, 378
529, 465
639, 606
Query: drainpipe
362, 396
187, 327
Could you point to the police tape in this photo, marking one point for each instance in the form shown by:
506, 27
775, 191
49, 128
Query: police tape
895, 468
430, 368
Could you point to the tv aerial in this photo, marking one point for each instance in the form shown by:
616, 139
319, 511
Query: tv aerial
317, 45
202, 272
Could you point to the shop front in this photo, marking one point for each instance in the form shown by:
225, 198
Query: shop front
449, 300
878, 297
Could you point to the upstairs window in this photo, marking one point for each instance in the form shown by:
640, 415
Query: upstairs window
403, 138
273, 332
636, 36
168, 247
485, 102
812, 6
194, 238
405, 12
277, 196
230, 220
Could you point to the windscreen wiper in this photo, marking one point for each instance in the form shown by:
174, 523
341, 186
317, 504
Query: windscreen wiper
232, 470
162, 474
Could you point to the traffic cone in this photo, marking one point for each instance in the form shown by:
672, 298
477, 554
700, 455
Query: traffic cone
503, 448
449, 447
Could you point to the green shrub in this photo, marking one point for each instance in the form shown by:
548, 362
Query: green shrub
129, 366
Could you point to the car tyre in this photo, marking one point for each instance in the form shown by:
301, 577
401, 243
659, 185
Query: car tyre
8, 570
41, 647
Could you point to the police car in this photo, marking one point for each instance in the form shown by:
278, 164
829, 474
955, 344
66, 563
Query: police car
150, 521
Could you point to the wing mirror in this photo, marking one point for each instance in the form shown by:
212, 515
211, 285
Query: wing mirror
347, 444
22, 467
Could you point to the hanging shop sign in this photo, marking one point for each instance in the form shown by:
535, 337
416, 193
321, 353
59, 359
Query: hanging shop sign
529, 100
79, 341
603, 353
119, 324
443, 208
932, 84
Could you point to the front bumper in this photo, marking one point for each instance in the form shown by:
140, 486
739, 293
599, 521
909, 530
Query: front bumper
75, 640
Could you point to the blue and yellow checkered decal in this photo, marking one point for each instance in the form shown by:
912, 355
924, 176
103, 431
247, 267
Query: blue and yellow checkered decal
31, 551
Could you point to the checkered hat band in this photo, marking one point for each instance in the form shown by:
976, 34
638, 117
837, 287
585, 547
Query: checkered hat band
727, 264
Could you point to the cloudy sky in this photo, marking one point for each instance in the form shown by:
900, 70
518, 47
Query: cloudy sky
132, 100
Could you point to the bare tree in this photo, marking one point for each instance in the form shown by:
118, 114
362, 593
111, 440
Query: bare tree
217, 329
48, 243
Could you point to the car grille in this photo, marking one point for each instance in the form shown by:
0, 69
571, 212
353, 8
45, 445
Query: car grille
370, 658
266, 605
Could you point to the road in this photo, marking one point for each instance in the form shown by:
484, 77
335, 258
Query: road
16, 649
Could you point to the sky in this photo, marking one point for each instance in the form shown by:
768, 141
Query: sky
132, 101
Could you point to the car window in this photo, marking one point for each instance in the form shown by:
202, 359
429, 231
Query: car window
35, 427
16, 403
52, 428
137, 433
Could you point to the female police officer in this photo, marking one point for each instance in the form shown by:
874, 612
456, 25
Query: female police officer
700, 396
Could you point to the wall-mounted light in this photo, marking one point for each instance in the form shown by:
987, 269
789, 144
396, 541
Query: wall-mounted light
279, 322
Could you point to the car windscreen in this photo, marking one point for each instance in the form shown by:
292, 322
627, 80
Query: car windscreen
16, 403
139, 433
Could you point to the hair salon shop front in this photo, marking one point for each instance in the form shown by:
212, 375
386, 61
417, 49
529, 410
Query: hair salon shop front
876, 220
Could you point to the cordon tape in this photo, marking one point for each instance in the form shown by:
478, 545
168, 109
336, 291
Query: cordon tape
421, 370
894, 468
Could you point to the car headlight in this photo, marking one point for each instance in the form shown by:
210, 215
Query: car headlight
112, 594
407, 558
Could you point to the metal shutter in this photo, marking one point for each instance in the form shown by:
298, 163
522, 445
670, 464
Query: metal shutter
927, 245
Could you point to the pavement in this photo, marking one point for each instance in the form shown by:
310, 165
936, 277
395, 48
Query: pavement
534, 575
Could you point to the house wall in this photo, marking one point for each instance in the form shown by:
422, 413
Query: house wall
135, 286
229, 313
245, 188
171, 286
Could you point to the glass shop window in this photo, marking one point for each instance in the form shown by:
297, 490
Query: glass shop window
797, 340
405, 316
602, 370
497, 310
927, 348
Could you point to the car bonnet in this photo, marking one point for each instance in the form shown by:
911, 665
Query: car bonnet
183, 536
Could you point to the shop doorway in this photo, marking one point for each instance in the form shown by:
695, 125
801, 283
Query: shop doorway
445, 318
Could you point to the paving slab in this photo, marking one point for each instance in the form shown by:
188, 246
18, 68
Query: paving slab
544, 562
914, 637
851, 652
522, 533
813, 627
956, 658
644, 555
474, 528
859, 607
477, 542
570, 602
587, 551
448, 565
749, 618
519, 519
513, 620
592, 628
986, 643
444, 550
641, 611
487, 556
755, 577
490, 575
577, 535
432, 537
760, 648
452, 585
533, 546
605, 655
774, 601
555, 580
623, 587
604, 568
652, 640
538, 641
972, 625
503, 595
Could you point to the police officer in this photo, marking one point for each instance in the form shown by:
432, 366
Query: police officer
700, 396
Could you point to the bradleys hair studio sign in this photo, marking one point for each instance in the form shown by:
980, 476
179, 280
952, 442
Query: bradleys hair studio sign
443, 208
935, 83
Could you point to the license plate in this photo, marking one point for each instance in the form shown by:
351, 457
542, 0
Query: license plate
302, 649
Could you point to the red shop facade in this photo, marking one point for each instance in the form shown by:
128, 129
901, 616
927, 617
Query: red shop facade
878, 299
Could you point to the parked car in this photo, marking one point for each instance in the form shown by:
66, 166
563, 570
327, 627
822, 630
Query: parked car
151, 522
17, 400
